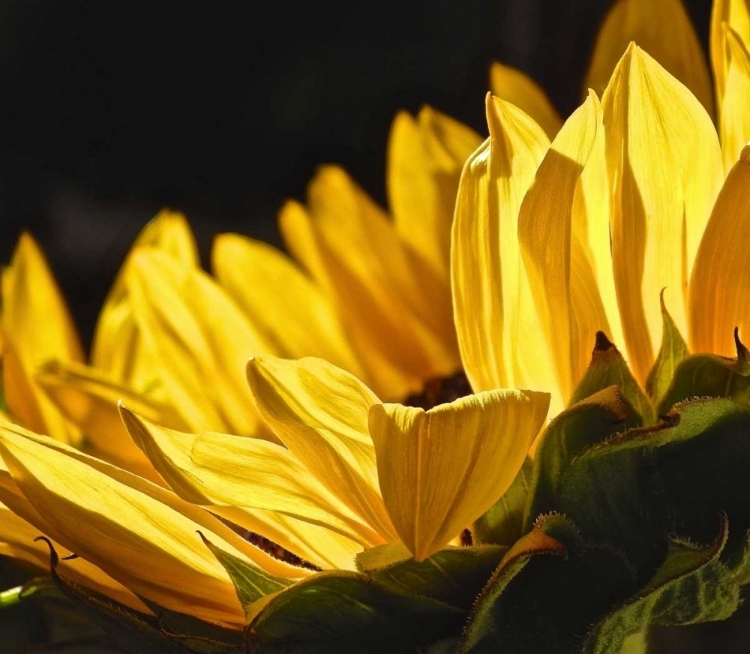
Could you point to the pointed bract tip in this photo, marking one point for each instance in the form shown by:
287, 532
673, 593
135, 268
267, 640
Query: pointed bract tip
743, 354
602, 343
53, 558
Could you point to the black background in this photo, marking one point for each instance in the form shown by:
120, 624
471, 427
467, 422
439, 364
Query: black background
111, 110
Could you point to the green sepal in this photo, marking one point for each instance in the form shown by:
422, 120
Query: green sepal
708, 375
691, 586
503, 523
672, 351
130, 631
455, 575
251, 583
347, 612
548, 590
634, 489
592, 420
608, 368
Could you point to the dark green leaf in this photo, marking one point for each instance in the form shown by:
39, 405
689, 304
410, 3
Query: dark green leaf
347, 612
250, 582
691, 586
608, 368
503, 523
546, 593
672, 351
590, 421
707, 375
454, 576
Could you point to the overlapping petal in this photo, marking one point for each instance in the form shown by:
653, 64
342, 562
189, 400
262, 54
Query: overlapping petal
734, 118
512, 85
140, 534
441, 469
664, 163
644, 21
36, 327
736, 14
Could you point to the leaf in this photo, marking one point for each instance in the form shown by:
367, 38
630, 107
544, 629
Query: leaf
583, 425
251, 583
132, 632
608, 368
708, 375
691, 586
550, 587
502, 524
672, 351
346, 612
455, 575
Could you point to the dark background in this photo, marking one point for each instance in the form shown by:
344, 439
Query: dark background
111, 110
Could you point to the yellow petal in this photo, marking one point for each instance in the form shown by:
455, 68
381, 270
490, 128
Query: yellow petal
665, 165
501, 337
721, 276
17, 542
425, 158
88, 398
320, 413
199, 339
736, 14
442, 469
644, 21
394, 304
734, 117
220, 469
514, 86
36, 327
562, 282
285, 304
117, 347
140, 534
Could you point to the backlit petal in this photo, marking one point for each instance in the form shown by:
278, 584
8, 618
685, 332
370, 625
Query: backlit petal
494, 310
562, 283
665, 165
441, 469
117, 347
281, 301
721, 276
199, 339
644, 21
425, 158
320, 413
220, 469
140, 534
17, 541
736, 14
36, 327
734, 117
514, 86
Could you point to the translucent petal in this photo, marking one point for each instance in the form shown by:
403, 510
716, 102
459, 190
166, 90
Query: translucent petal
514, 86
220, 469
36, 327
117, 347
734, 117
320, 413
441, 469
501, 337
425, 158
665, 168
721, 276
736, 14
281, 301
195, 334
562, 283
643, 22
140, 534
